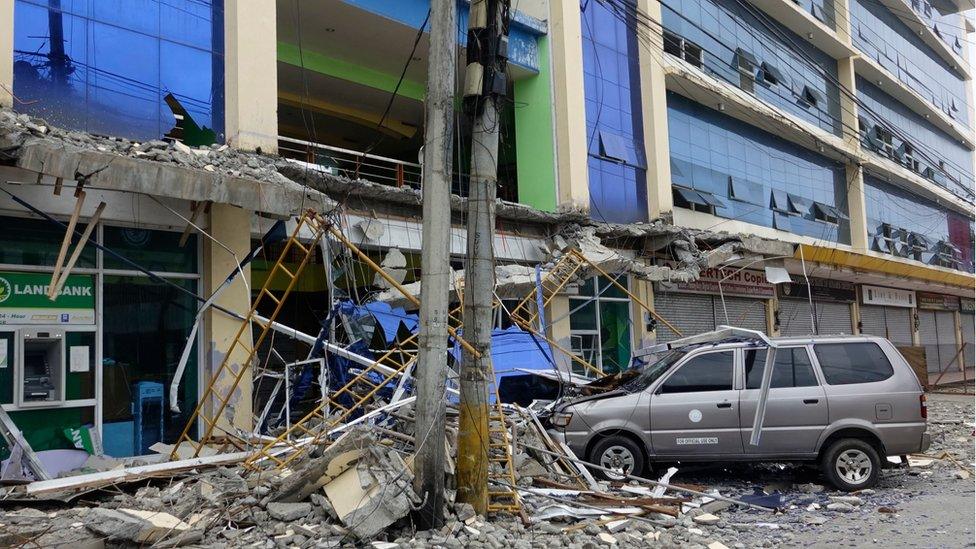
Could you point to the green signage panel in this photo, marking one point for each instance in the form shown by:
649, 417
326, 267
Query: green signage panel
23, 299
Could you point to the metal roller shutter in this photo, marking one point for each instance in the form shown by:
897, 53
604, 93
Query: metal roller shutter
946, 323
794, 317
928, 333
873, 320
743, 312
834, 318
968, 327
899, 324
690, 313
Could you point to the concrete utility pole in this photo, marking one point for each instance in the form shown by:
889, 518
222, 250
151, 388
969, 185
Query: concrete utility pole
435, 263
485, 85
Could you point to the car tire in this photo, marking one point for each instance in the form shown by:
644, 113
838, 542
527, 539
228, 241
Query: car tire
851, 464
617, 451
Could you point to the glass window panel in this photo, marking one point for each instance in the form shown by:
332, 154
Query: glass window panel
848, 363
584, 315
615, 335
793, 368
155, 250
145, 326
37, 242
708, 372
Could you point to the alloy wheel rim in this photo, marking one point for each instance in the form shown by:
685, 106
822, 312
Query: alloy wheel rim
620, 459
854, 466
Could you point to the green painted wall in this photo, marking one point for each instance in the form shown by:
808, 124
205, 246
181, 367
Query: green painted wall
337, 68
534, 136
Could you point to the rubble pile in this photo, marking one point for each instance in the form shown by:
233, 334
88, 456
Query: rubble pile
18, 129
358, 491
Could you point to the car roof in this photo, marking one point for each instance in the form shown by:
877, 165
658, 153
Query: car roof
735, 342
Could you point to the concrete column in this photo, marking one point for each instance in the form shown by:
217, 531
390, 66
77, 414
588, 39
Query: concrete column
232, 227
6, 53
654, 108
957, 322
853, 174
559, 331
856, 317
772, 306
251, 75
842, 20
644, 291
916, 336
566, 40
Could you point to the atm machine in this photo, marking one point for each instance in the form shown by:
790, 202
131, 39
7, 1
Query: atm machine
42, 374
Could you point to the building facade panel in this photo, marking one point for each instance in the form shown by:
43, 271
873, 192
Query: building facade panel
894, 215
930, 151
743, 46
883, 37
617, 168
756, 176
117, 63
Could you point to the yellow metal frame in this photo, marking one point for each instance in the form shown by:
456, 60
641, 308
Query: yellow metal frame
220, 396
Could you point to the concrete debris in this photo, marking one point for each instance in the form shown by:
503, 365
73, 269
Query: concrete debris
840, 507
142, 527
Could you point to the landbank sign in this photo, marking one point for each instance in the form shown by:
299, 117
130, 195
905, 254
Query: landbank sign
23, 299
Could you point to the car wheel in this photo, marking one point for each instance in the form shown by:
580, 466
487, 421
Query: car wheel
851, 464
618, 453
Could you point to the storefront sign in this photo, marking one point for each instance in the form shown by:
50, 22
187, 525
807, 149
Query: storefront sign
821, 289
23, 299
744, 283
937, 301
967, 305
892, 297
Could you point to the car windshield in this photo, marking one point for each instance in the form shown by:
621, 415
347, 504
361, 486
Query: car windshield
652, 372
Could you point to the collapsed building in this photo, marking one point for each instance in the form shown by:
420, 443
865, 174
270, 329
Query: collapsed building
672, 235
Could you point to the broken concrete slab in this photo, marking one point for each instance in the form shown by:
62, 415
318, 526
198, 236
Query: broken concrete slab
141, 527
288, 512
374, 494
315, 473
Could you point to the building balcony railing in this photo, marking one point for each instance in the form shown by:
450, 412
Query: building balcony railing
353, 164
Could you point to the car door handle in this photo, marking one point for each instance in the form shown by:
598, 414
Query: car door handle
724, 404
811, 400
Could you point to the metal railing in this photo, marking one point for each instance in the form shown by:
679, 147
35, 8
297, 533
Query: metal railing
353, 164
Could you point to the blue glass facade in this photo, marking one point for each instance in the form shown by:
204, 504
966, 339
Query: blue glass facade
756, 176
932, 142
614, 125
887, 204
883, 37
117, 61
735, 46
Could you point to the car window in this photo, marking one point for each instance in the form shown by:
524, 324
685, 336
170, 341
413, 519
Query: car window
708, 372
792, 369
847, 363
651, 373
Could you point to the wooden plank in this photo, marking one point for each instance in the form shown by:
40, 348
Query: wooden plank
127, 474
198, 208
916, 359
55, 289
65, 242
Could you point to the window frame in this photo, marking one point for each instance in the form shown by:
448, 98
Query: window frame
734, 386
597, 298
823, 372
744, 375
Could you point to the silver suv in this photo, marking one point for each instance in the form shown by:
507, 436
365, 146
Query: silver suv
846, 402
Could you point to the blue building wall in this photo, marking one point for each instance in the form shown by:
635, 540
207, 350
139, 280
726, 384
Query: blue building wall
886, 203
927, 139
722, 26
707, 147
121, 58
880, 35
614, 124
